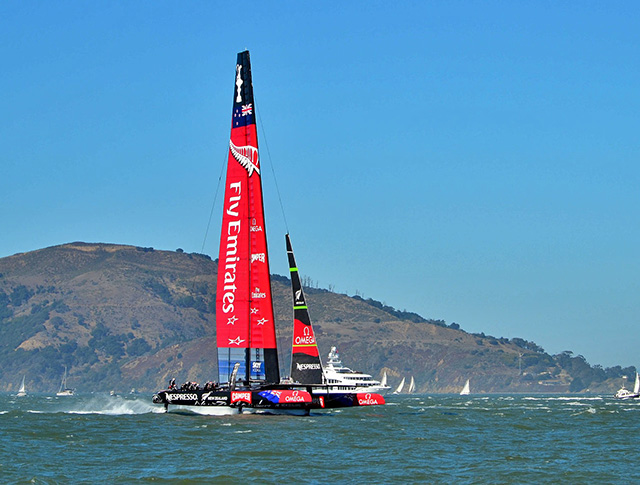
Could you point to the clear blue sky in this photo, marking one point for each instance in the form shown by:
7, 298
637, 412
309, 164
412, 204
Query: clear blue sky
475, 162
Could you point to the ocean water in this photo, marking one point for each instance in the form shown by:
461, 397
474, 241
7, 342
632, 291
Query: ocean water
413, 439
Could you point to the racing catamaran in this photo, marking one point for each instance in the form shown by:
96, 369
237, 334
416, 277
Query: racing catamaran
248, 368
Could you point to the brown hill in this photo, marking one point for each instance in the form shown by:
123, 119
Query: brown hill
124, 317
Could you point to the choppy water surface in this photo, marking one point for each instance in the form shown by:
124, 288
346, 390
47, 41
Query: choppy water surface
435, 439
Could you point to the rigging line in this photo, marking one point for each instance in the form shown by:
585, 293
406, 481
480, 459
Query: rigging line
266, 144
206, 233
286, 225
213, 206
215, 198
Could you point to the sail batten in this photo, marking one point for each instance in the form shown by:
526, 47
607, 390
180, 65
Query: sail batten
244, 309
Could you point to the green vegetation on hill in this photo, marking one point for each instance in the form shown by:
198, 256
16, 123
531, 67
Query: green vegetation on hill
122, 317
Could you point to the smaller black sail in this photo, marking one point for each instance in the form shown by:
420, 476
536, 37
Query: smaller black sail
306, 367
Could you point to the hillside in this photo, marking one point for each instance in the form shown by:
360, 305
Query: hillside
123, 317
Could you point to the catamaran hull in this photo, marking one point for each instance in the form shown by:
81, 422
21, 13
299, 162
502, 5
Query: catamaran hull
280, 401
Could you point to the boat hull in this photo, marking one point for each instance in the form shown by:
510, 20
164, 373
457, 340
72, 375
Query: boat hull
342, 389
624, 394
267, 400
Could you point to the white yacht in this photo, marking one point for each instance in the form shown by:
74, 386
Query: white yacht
342, 378
624, 393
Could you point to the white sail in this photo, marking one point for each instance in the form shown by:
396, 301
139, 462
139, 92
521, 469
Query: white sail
64, 390
465, 390
383, 381
22, 391
399, 389
636, 386
412, 386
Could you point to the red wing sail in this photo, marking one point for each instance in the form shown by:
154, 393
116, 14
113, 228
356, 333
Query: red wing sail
244, 309
306, 367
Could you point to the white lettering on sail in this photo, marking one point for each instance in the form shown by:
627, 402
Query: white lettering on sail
231, 258
306, 340
308, 366
258, 257
239, 83
258, 294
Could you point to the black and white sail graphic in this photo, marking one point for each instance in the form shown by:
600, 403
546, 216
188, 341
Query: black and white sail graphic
306, 367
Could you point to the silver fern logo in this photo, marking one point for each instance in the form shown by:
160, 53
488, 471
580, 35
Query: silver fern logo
246, 156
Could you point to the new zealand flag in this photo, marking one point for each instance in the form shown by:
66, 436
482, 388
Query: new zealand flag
242, 115
243, 108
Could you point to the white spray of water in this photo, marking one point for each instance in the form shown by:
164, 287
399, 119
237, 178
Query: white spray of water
114, 406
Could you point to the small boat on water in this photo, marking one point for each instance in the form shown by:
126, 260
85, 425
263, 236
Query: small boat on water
22, 391
248, 369
399, 388
64, 390
466, 390
412, 386
624, 393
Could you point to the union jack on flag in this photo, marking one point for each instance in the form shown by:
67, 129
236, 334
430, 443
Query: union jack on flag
247, 109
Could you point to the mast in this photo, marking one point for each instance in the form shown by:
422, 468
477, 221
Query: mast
63, 384
245, 325
306, 367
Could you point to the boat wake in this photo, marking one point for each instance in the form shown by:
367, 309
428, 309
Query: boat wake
114, 406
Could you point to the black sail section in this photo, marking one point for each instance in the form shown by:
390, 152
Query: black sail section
306, 367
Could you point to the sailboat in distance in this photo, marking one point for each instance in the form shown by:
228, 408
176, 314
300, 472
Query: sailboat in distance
412, 386
465, 390
399, 388
64, 390
248, 369
22, 391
